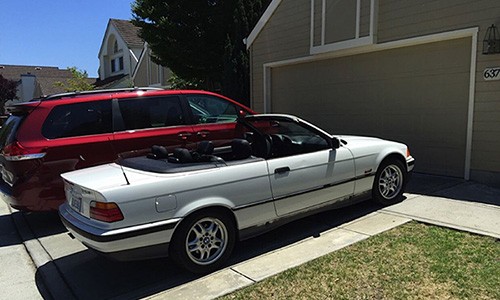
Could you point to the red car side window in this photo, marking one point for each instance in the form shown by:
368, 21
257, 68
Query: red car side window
78, 119
154, 112
209, 109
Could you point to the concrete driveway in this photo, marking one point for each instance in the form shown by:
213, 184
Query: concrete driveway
40, 260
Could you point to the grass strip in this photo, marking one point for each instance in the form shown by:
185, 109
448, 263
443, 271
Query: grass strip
412, 261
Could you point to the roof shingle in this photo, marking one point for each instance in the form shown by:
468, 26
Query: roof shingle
129, 32
45, 76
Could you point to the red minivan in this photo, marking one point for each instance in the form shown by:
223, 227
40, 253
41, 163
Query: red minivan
46, 137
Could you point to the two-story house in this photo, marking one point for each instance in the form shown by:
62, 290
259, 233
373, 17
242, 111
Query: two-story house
125, 59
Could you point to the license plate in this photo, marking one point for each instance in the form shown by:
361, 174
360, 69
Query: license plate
76, 203
75, 199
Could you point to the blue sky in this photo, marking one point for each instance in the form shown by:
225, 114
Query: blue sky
59, 33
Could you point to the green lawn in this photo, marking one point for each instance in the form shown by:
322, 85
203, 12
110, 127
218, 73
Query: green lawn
413, 261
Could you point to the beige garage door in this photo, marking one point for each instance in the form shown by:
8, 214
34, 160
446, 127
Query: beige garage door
417, 95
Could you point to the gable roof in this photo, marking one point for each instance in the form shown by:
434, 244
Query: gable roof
262, 22
129, 32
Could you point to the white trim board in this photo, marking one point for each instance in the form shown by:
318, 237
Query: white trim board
262, 22
438, 37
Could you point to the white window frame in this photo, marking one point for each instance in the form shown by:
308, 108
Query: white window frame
115, 63
357, 41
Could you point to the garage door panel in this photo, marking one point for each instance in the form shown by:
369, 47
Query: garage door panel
417, 95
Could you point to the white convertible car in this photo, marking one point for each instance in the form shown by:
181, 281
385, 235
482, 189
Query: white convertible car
194, 205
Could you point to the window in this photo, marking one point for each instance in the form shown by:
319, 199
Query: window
151, 112
78, 119
342, 24
117, 64
115, 47
209, 109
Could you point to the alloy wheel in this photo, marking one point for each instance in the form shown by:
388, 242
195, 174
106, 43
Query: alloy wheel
206, 241
390, 182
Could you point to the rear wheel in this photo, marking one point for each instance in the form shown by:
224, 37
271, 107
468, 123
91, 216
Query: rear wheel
203, 241
389, 182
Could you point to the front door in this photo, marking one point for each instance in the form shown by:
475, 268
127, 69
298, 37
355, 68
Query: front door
304, 169
311, 179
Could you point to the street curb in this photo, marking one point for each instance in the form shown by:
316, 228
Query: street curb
444, 224
51, 277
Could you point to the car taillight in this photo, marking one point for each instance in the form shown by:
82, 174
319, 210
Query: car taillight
15, 151
408, 152
105, 211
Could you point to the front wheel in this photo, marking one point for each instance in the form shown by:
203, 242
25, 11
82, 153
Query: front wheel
389, 182
203, 241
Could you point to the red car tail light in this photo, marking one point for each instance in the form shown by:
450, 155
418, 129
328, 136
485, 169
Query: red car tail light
15, 151
105, 211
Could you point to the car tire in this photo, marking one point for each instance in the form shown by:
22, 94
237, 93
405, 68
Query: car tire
389, 183
203, 241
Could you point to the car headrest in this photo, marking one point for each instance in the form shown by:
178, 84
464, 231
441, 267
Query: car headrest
241, 149
261, 146
205, 148
183, 155
158, 152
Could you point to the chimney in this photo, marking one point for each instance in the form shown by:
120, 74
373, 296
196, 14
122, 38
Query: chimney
27, 87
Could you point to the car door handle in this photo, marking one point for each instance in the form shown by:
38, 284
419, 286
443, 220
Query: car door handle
281, 170
184, 135
203, 133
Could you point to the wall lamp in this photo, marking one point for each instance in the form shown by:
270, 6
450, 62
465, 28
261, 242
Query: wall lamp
491, 41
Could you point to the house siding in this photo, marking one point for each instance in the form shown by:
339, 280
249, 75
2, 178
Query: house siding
141, 77
286, 36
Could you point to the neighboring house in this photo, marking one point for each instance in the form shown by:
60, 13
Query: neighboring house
35, 81
125, 59
406, 70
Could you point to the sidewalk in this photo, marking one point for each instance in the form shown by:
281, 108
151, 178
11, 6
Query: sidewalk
17, 271
34, 258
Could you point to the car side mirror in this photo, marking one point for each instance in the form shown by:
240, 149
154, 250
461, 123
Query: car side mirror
241, 113
335, 142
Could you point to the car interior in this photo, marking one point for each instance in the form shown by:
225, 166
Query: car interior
261, 139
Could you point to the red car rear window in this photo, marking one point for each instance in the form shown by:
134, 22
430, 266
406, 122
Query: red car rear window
78, 119
9, 129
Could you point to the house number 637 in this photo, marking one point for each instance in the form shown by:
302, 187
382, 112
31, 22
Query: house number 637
491, 73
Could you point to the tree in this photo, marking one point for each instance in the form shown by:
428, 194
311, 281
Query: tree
8, 90
201, 41
79, 81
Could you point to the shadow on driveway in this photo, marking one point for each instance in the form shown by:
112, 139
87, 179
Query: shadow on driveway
8, 232
46, 224
453, 188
